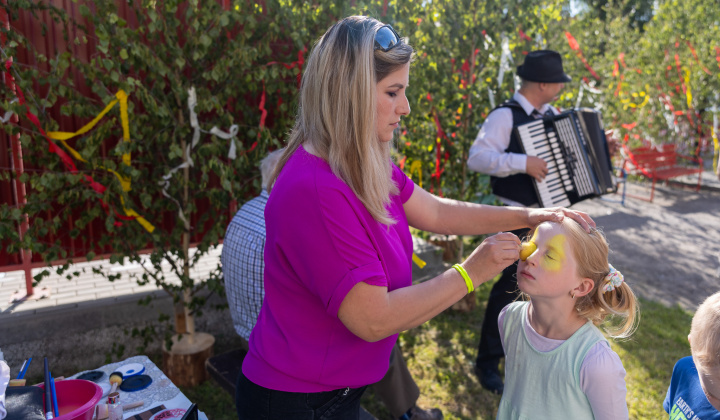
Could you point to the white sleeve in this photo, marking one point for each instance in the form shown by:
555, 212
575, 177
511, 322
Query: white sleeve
501, 321
602, 379
487, 153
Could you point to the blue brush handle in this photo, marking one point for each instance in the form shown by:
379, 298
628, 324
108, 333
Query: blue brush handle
54, 397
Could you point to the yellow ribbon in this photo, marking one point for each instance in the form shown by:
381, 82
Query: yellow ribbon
61, 136
716, 144
416, 166
627, 102
417, 260
687, 88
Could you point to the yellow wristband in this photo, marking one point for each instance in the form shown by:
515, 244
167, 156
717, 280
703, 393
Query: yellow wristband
465, 277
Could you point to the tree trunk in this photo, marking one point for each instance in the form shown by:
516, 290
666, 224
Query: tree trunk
184, 363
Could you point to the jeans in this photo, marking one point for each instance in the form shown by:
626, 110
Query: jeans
254, 402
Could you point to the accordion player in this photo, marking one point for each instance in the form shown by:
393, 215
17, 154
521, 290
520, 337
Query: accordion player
574, 146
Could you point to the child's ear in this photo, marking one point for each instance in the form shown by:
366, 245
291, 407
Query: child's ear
586, 286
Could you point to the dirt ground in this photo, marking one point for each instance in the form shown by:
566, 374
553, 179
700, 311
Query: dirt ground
668, 250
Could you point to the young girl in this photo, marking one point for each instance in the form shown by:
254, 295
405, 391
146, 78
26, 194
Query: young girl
558, 364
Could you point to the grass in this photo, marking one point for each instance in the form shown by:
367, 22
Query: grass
440, 355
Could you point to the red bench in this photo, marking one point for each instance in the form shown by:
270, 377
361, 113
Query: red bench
659, 163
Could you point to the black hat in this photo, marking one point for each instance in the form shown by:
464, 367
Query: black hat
543, 66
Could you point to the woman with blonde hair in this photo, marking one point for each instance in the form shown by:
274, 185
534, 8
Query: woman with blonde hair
338, 283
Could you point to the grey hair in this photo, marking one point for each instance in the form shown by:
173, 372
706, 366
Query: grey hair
267, 165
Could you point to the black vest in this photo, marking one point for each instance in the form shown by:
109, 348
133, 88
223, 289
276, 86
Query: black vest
517, 187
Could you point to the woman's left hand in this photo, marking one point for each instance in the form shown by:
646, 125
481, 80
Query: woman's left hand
557, 214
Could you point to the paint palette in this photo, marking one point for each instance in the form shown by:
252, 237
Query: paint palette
131, 369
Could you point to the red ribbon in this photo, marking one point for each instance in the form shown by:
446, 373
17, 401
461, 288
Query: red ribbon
263, 111
682, 81
299, 64
629, 126
576, 47
692, 50
523, 35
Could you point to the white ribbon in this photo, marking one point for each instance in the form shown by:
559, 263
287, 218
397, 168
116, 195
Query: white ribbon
192, 102
580, 95
505, 59
590, 87
232, 153
8, 114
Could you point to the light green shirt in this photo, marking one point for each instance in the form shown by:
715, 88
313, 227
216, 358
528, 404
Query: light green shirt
543, 385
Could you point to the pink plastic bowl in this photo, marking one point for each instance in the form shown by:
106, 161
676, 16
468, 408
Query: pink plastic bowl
76, 398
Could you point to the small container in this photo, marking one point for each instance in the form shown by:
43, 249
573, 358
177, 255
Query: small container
115, 410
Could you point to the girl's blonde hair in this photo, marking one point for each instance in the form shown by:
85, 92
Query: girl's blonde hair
591, 253
705, 335
337, 110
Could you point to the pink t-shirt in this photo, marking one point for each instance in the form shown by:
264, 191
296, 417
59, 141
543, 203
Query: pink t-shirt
321, 241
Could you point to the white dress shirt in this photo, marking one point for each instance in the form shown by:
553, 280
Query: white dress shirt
487, 153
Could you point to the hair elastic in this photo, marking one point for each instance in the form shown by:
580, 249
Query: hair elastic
614, 279
465, 277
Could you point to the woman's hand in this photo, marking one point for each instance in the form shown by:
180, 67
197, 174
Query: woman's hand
557, 214
491, 257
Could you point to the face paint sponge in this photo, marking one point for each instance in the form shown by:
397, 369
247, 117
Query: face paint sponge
527, 249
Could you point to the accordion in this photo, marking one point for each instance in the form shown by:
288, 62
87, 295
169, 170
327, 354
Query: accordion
574, 146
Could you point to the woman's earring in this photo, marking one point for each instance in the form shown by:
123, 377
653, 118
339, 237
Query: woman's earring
573, 295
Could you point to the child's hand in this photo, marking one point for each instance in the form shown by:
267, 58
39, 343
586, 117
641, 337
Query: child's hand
491, 257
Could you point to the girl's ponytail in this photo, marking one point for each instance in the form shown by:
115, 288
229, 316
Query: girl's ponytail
615, 297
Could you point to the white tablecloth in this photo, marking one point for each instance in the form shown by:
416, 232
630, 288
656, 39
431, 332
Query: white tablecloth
161, 390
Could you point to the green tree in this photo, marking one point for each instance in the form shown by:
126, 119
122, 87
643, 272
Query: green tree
175, 174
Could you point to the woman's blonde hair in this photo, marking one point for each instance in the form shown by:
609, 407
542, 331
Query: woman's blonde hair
591, 253
337, 110
705, 335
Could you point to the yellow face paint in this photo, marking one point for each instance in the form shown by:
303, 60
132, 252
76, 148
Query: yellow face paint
555, 254
528, 248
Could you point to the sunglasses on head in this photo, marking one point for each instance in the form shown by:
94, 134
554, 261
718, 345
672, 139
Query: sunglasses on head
386, 38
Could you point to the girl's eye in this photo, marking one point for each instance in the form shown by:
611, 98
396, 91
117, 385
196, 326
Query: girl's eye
392, 94
549, 256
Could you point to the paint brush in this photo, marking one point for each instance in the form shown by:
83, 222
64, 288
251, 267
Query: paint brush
20, 380
24, 368
56, 410
48, 393
116, 379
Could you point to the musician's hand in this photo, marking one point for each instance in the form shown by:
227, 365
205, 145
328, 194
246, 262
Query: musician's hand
557, 214
612, 142
536, 167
